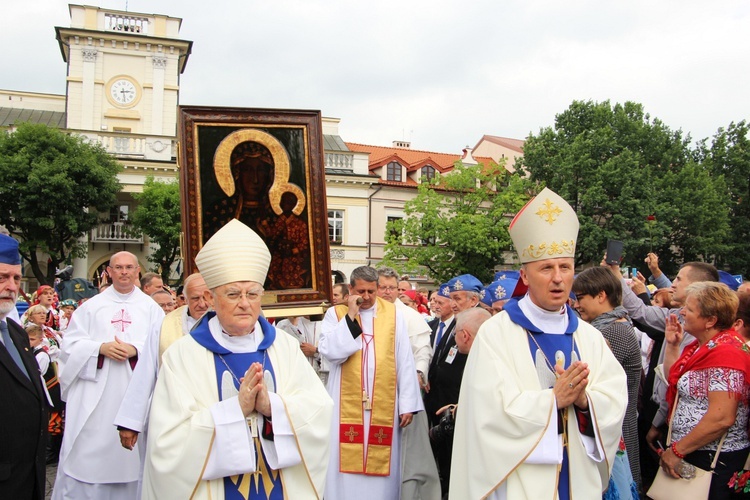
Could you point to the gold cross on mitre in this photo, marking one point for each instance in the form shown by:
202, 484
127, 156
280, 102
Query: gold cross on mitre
549, 211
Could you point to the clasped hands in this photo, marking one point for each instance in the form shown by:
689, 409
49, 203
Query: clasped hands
253, 393
570, 387
117, 350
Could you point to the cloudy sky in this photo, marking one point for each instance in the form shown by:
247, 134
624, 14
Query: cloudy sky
440, 73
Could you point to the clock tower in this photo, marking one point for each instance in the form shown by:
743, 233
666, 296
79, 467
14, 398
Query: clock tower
123, 84
123, 76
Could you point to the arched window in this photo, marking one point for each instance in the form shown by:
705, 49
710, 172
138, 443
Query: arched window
427, 173
393, 172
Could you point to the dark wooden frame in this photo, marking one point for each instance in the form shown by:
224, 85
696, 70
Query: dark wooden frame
206, 170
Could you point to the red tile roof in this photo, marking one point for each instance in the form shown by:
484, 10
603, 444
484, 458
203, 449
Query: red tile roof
412, 159
515, 144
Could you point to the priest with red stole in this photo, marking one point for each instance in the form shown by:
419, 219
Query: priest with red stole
374, 388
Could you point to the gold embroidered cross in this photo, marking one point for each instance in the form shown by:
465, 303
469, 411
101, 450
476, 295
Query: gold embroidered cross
380, 435
351, 434
549, 211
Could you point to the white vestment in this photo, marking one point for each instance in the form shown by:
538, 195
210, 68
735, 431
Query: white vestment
419, 336
133, 412
505, 420
91, 452
308, 332
419, 473
337, 345
195, 439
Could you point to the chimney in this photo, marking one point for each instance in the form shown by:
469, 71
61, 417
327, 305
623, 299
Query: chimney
402, 144
467, 158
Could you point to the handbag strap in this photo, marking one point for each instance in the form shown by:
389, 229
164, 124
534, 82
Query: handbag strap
669, 434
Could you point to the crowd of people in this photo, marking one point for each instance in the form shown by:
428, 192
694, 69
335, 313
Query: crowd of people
541, 384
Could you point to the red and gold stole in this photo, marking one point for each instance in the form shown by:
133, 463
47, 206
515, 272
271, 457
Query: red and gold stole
377, 460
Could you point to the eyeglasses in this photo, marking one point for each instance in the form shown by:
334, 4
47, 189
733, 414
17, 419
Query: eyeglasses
235, 296
579, 296
388, 288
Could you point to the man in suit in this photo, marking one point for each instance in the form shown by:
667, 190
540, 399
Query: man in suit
447, 366
23, 401
443, 314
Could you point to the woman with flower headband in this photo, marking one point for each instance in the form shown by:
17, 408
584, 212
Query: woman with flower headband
711, 382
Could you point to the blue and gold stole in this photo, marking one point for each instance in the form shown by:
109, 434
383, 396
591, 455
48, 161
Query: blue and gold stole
552, 346
265, 483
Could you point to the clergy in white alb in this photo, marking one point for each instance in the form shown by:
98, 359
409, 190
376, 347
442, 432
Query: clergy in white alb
132, 417
237, 412
307, 333
133, 413
419, 473
542, 398
375, 391
101, 348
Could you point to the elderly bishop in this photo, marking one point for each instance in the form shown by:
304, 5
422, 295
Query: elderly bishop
237, 412
542, 397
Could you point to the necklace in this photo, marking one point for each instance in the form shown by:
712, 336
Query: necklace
232, 371
551, 366
563, 412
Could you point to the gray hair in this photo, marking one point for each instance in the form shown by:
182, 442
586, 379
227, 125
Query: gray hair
388, 272
147, 278
472, 319
363, 273
189, 281
160, 291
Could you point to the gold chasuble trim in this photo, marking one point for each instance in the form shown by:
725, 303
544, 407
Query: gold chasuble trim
171, 330
377, 460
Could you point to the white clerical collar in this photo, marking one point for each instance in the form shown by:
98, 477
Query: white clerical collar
123, 296
371, 310
238, 343
547, 321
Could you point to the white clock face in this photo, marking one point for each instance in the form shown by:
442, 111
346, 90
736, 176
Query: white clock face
123, 92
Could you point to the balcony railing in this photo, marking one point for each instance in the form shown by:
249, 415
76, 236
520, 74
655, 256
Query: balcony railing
113, 232
340, 161
127, 145
128, 24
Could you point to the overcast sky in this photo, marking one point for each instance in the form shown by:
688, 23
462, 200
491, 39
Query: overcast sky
439, 73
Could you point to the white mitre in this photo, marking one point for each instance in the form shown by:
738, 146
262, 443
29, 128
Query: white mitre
546, 228
234, 253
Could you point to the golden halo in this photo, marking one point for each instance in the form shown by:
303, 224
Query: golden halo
281, 184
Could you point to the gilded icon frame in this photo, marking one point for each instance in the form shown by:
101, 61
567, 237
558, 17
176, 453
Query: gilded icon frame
264, 167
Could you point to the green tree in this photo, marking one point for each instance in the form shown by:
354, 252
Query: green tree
729, 156
457, 224
52, 188
629, 177
158, 216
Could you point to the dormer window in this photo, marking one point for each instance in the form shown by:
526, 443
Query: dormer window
427, 173
393, 171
